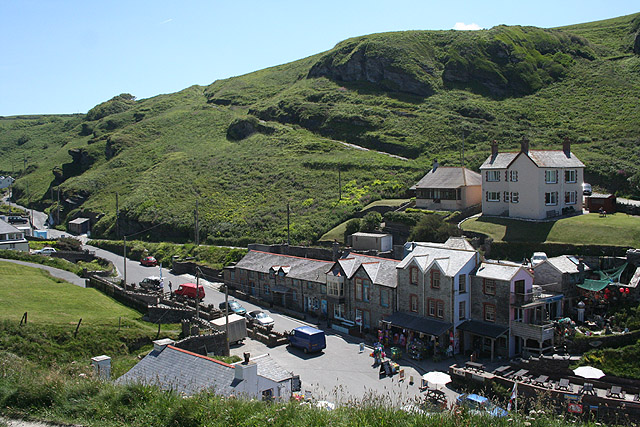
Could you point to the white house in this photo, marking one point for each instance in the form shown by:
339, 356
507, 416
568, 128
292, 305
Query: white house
448, 188
12, 238
532, 184
6, 181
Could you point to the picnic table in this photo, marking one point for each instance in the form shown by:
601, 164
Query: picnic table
437, 395
475, 366
564, 384
616, 391
520, 375
541, 381
588, 388
502, 369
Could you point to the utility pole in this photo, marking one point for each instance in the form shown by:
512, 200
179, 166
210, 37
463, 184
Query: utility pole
463, 148
288, 240
197, 227
58, 206
198, 294
339, 185
226, 326
125, 262
117, 217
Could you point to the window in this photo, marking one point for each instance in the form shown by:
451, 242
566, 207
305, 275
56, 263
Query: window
440, 309
515, 197
505, 197
493, 176
489, 312
336, 289
413, 303
233, 275
435, 279
384, 298
294, 296
551, 198
338, 311
514, 176
323, 289
432, 307
366, 291
309, 285
570, 197
492, 196
570, 175
489, 287
462, 310
358, 289
551, 176
413, 273
462, 283
267, 289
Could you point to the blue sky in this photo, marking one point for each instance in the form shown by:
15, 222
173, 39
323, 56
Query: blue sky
67, 56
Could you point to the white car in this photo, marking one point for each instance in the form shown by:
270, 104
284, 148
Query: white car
45, 251
261, 318
538, 257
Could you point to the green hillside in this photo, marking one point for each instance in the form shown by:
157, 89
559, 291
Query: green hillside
246, 147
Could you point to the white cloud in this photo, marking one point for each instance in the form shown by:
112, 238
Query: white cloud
171, 19
466, 27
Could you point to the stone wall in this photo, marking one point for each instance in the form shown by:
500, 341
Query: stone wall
127, 298
214, 343
299, 251
165, 314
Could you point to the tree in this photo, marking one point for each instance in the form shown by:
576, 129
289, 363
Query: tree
370, 222
353, 226
432, 228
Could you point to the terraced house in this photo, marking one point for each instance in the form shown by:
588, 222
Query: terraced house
532, 184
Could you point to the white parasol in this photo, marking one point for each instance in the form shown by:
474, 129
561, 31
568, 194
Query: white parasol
436, 377
323, 404
588, 372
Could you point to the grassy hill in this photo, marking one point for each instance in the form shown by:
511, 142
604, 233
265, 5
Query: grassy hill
377, 108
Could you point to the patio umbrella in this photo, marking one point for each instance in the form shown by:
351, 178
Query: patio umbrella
323, 404
436, 377
588, 372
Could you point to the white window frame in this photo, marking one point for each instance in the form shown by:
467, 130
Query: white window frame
571, 197
505, 197
493, 176
513, 176
552, 199
568, 176
495, 198
515, 197
462, 310
551, 176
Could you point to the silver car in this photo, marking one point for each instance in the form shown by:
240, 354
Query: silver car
261, 318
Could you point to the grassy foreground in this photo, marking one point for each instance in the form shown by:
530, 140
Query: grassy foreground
590, 229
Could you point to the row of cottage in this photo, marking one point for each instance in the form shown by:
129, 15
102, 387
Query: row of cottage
443, 292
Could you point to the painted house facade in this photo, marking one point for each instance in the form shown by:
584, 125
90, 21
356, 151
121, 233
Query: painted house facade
561, 274
448, 188
532, 184
12, 238
434, 284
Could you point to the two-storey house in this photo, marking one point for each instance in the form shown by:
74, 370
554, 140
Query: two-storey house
561, 274
11, 238
434, 287
532, 184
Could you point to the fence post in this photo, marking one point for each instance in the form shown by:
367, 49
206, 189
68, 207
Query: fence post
24, 318
77, 327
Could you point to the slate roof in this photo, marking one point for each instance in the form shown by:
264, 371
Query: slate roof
484, 329
309, 269
541, 158
182, 371
498, 271
419, 323
449, 177
268, 368
381, 271
565, 264
6, 228
449, 260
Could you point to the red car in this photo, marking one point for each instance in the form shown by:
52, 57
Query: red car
149, 261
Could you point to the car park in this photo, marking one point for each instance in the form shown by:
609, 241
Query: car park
190, 290
260, 318
234, 307
152, 283
149, 261
480, 405
45, 251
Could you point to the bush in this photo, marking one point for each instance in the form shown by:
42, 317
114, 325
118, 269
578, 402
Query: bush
370, 222
432, 228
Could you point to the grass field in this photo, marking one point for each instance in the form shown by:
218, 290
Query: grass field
53, 302
589, 229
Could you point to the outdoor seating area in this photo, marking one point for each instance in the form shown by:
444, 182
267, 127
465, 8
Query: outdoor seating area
616, 391
541, 380
475, 366
587, 388
564, 384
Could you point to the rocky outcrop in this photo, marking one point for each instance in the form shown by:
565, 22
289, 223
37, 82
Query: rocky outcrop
243, 128
379, 70
636, 44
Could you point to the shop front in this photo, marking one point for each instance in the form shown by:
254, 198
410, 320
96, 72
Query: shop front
417, 336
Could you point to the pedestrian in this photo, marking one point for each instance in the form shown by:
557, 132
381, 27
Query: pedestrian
170, 291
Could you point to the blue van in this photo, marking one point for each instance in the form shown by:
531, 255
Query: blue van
307, 338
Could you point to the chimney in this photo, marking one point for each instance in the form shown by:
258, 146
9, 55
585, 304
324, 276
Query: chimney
246, 371
102, 366
247, 357
494, 148
159, 345
435, 165
524, 145
335, 250
566, 146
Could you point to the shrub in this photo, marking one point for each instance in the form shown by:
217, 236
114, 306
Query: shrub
432, 228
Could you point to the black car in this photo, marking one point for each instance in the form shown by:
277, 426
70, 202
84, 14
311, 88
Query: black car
17, 220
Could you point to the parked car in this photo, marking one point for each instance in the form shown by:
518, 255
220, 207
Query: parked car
17, 220
190, 290
480, 405
308, 338
537, 258
152, 283
586, 189
149, 261
261, 318
45, 251
234, 306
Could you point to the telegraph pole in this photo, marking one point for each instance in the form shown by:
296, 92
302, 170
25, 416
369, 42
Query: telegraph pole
197, 226
117, 217
197, 294
339, 185
125, 262
58, 206
288, 241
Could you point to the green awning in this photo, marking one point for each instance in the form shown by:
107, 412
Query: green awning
594, 285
